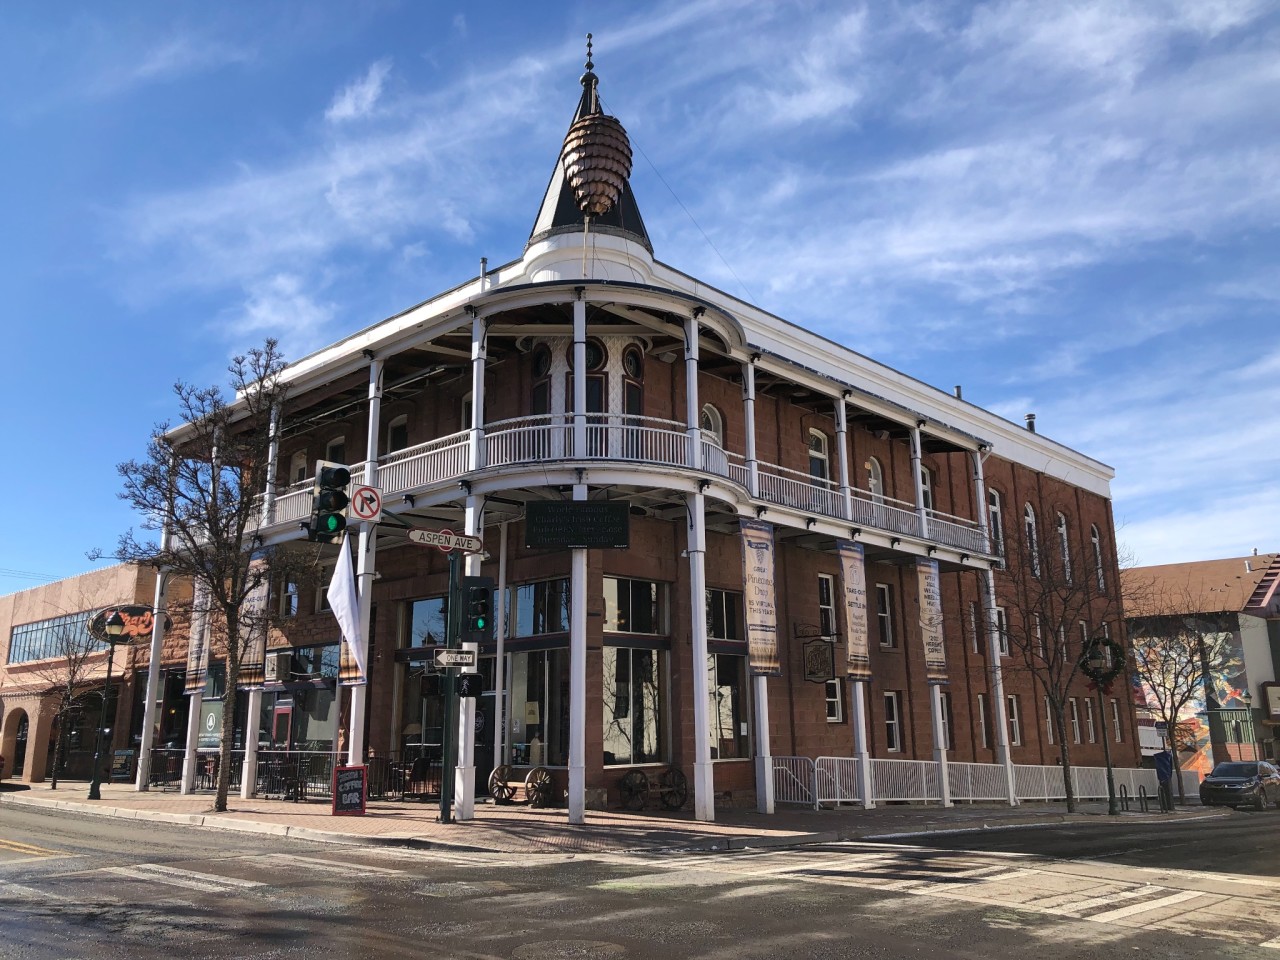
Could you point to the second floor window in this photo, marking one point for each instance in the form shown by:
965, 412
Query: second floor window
335, 450
819, 468
875, 480
1002, 628
926, 487
712, 424
995, 520
1064, 548
298, 468
398, 433
1032, 538
1015, 721
1097, 558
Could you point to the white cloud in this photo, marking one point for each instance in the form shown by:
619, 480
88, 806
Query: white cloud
358, 99
279, 306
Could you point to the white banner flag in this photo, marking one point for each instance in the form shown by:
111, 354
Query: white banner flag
345, 605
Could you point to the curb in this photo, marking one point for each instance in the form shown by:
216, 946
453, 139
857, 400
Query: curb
720, 844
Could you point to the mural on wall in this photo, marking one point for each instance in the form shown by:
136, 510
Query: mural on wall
1197, 728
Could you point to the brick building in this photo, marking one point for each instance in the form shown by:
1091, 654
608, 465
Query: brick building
879, 519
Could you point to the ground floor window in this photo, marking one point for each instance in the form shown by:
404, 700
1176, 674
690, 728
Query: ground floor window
893, 722
728, 711
538, 729
635, 705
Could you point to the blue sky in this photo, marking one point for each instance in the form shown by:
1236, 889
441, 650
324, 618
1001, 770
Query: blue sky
1071, 209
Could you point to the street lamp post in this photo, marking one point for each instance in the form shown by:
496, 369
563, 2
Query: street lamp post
113, 630
1247, 697
1102, 661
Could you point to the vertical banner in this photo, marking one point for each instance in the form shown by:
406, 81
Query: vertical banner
853, 578
253, 627
935, 654
758, 594
198, 642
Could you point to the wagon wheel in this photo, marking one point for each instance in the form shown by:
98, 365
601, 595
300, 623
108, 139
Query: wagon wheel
634, 790
675, 788
537, 787
500, 787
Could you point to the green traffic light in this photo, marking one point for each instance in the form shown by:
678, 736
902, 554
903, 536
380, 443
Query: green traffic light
332, 523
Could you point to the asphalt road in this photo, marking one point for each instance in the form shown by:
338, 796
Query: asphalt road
95, 888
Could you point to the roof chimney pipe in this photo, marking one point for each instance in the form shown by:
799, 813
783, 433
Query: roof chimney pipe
959, 392
1031, 422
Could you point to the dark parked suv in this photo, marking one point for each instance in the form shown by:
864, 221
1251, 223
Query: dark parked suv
1236, 783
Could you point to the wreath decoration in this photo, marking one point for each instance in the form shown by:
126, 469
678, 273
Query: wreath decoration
1100, 652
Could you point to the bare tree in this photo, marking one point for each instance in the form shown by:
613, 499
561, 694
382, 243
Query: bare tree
1056, 602
204, 479
1177, 653
64, 673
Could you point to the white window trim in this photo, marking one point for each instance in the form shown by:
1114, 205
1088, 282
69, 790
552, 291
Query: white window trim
893, 725
875, 480
995, 523
1048, 721
1032, 536
835, 701
830, 609
982, 719
1064, 546
1115, 721
822, 454
1088, 720
1075, 720
1015, 720
1097, 558
1002, 630
884, 620
400, 421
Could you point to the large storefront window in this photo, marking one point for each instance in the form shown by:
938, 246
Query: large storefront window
538, 608
303, 715
634, 606
635, 706
539, 721
427, 623
728, 710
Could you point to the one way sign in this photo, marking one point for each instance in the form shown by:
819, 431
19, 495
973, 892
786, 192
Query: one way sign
455, 658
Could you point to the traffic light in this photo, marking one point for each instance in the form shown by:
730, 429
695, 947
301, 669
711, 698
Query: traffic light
329, 502
477, 609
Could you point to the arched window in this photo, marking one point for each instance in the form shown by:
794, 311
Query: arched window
712, 424
1064, 547
926, 487
1032, 538
875, 480
995, 522
398, 433
541, 370
1097, 558
632, 382
298, 467
335, 451
819, 467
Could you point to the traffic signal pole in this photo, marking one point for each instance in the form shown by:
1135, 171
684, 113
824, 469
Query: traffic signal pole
447, 758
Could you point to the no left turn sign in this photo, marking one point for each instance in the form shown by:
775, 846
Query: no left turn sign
366, 503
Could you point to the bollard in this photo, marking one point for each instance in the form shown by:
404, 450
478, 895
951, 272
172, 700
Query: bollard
1142, 798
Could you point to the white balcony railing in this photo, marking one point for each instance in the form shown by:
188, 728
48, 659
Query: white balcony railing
646, 440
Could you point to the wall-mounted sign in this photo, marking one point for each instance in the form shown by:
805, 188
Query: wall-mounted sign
578, 524
139, 619
819, 661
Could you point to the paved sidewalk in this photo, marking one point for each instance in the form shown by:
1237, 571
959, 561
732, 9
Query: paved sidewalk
520, 829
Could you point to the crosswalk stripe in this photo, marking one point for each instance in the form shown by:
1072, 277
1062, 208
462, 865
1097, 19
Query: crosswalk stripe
137, 873
1074, 907
32, 893
196, 875
348, 867
1180, 897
